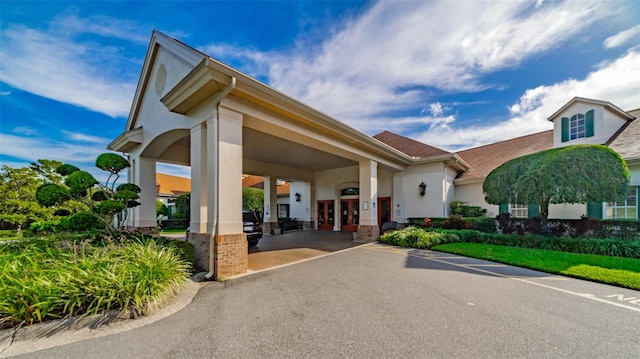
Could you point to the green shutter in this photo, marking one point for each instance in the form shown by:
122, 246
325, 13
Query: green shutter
565, 129
594, 210
169, 216
534, 210
589, 123
503, 208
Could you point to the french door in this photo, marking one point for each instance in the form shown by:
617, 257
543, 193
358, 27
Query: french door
326, 215
349, 215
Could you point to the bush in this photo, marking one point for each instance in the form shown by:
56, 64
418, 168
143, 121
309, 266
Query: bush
456, 222
415, 237
174, 224
82, 221
484, 224
44, 227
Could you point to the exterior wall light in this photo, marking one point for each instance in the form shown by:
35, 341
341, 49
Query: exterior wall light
297, 197
423, 189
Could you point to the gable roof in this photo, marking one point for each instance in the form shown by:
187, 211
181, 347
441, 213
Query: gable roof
627, 142
172, 185
158, 39
408, 146
485, 159
606, 104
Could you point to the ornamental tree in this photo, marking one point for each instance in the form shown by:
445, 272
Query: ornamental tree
105, 200
573, 174
18, 205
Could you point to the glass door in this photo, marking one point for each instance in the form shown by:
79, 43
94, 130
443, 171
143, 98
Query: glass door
384, 210
326, 215
349, 215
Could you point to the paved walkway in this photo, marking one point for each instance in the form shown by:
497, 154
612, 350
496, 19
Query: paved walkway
276, 250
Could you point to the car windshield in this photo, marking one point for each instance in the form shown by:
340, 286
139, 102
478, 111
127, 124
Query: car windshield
249, 217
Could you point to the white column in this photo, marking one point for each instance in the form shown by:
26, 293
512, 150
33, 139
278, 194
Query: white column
270, 199
368, 193
230, 176
199, 178
399, 199
145, 177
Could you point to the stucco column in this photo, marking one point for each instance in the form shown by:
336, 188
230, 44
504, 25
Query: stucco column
231, 244
199, 178
399, 198
368, 229
270, 204
143, 217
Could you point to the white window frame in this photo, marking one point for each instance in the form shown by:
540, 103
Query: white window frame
577, 126
519, 210
627, 209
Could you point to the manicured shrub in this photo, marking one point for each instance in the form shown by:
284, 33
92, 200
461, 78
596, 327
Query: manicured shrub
456, 222
81, 221
484, 224
416, 238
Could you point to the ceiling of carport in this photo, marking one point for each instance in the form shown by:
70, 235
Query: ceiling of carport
263, 147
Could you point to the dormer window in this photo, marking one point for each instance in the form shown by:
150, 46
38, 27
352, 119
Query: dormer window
578, 126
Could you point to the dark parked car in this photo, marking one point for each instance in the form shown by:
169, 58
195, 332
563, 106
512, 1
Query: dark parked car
252, 226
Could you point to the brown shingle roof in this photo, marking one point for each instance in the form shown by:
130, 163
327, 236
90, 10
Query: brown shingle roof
484, 159
627, 143
409, 146
172, 185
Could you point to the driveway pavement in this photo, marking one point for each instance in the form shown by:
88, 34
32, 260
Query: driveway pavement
381, 301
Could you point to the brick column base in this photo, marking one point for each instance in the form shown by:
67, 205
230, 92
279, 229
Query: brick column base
268, 227
307, 225
368, 233
231, 256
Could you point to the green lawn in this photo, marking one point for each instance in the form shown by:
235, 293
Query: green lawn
172, 231
622, 272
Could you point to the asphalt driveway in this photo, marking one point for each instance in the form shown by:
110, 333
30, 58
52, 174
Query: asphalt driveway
382, 301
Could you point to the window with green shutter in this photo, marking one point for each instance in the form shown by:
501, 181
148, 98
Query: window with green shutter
589, 131
565, 129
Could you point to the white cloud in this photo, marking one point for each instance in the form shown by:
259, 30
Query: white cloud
392, 54
81, 137
617, 82
55, 64
621, 38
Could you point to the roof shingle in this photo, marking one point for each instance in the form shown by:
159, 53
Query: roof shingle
485, 159
408, 146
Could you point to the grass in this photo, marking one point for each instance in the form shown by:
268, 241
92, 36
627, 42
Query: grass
618, 271
173, 231
44, 279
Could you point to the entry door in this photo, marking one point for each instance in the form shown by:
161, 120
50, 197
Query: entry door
384, 210
349, 215
326, 215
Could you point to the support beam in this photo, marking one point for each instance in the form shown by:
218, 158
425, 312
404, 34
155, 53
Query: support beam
270, 221
368, 226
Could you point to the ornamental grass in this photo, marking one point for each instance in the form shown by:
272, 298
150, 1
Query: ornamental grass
43, 279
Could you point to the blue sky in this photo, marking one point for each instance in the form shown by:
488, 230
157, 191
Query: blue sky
453, 74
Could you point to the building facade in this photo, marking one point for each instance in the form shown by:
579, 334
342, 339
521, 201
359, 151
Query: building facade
192, 110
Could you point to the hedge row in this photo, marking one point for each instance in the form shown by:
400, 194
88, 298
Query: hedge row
420, 238
584, 227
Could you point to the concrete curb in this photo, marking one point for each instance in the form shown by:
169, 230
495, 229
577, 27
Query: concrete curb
29, 339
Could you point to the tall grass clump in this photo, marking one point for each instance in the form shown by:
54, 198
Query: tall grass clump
41, 280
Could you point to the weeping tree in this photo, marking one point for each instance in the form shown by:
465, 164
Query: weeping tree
106, 201
573, 174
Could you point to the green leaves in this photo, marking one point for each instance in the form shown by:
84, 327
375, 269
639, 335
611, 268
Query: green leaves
111, 163
50, 194
573, 174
